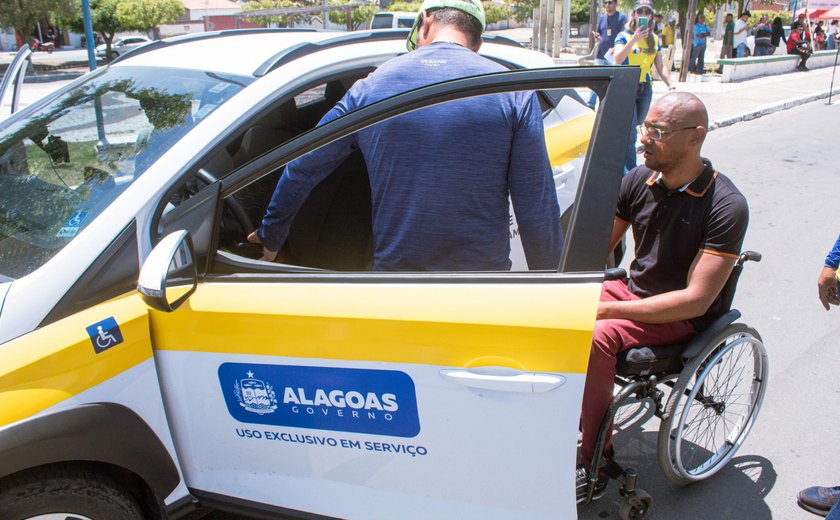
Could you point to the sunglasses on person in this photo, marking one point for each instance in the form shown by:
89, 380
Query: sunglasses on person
644, 11
657, 134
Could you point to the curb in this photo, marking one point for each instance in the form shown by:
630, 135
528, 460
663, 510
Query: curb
772, 108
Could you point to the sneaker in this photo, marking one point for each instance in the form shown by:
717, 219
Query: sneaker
818, 500
581, 481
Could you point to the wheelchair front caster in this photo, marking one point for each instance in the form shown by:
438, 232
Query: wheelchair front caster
635, 506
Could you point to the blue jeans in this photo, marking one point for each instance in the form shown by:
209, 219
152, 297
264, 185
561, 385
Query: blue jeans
594, 97
697, 61
832, 43
741, 50
644, 95
834, 514
762, 50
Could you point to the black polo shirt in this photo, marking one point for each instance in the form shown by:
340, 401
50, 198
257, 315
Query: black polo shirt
671, 226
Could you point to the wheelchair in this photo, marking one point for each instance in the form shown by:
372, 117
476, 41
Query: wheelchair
706, 393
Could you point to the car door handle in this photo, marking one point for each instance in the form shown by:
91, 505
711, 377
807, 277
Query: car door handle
505, 380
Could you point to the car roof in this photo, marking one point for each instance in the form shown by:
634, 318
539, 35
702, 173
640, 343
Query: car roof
256, 52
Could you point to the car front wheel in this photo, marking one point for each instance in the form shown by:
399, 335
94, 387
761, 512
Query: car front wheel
63, 492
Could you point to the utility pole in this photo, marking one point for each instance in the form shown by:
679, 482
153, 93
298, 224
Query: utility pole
91, 45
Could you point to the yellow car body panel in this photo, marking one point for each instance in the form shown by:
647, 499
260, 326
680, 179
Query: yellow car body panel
570, 139
436, 324
51, 364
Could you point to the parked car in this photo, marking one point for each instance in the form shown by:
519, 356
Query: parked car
393, 20
306, 387
122, 45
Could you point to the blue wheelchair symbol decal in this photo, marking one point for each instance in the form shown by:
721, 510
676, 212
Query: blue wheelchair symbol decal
105, 334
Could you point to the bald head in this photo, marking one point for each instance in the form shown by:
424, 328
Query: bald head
682, 109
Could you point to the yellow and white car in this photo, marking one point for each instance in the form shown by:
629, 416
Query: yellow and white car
311, 387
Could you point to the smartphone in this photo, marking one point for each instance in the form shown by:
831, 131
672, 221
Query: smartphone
643, 23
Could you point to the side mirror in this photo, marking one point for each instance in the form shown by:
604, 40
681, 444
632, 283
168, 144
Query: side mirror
168, 276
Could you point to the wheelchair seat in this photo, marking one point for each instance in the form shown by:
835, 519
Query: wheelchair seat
662, 360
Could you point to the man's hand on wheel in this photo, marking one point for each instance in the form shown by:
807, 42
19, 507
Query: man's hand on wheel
268, 256
827, 285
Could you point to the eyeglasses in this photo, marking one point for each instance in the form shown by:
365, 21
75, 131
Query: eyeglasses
656, 134
644, 10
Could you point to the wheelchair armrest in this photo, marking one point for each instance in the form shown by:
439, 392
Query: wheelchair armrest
701, 340
615, 273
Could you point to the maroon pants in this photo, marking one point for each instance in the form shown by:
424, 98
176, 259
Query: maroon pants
608, 339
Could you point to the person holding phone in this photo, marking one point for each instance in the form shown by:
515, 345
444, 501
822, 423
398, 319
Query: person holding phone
638, 45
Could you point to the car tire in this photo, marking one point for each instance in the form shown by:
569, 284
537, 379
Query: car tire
77, 492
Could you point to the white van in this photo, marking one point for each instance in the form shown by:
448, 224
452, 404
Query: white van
393, 20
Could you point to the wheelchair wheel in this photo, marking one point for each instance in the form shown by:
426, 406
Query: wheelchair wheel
713, 405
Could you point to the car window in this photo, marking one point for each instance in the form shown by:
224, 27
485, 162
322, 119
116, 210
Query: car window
381, 21
333, 229
405, 23
63, 163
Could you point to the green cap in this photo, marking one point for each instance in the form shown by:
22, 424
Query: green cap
471, 7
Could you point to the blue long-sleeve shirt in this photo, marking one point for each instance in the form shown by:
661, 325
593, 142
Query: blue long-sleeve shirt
833, 258
440, 177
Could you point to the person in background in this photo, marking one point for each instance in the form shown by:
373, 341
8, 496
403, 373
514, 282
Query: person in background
740, 36
609, 25
833, 33
697, 63
763, 34
821, 500
819, 37
726, 48
658, 25
777, 35
799, 45
669, 36
639, 46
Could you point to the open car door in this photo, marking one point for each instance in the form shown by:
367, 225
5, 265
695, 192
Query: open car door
380, 395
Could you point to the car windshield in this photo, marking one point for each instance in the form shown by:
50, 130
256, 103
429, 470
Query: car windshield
63, 163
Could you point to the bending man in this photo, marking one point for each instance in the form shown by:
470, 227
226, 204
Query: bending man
440, 177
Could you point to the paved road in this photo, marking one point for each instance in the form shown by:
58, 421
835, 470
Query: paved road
791, 186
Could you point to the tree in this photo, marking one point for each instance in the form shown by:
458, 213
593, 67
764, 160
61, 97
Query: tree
147, 15
259, 5
496, 12
104, 19
359, 16
24, 15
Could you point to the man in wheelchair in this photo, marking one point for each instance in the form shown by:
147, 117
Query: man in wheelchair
688, 224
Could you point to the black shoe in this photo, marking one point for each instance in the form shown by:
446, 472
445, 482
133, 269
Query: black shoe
582, 481
818, 500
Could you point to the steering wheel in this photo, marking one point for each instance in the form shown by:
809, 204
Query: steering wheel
232, 204
243, 248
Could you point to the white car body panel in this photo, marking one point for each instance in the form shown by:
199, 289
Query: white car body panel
222, 455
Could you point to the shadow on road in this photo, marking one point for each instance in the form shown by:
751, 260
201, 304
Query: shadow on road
738, 491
